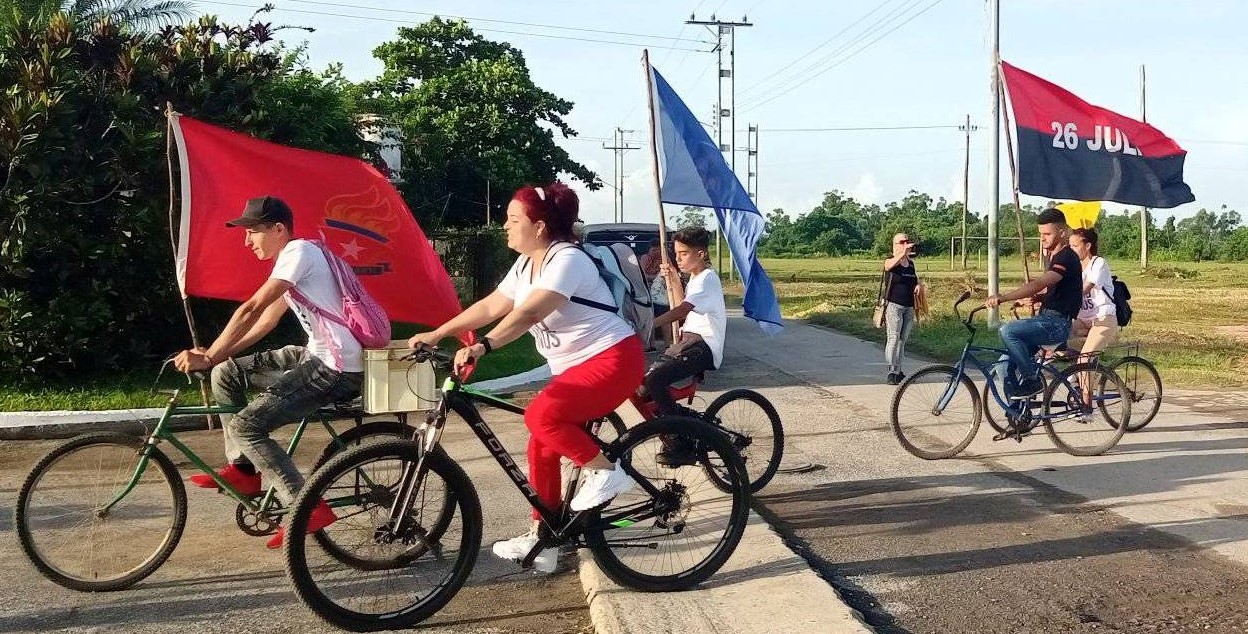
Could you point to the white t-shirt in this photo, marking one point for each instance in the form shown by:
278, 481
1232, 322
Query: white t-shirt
708, 318
301, 263
572, 333
1099, 304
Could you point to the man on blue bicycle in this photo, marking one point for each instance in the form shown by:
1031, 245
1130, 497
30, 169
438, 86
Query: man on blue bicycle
1062, 287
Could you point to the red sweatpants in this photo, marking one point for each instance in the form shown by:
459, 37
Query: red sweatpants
556, 417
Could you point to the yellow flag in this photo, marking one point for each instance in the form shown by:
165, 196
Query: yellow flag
1081, 215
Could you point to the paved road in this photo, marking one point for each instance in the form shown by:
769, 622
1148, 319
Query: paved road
220, 580
1010, 538
1014, 537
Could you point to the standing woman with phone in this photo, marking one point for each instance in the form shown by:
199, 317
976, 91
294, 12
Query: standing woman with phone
901, 284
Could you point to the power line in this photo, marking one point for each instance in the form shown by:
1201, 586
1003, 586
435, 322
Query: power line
485, 30
751, 7
867, 31
864, 128
845, 58
780, 72
492, 20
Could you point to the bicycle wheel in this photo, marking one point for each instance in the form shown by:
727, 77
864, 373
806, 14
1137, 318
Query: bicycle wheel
404, 574
605, 430
754, 429
1142, 385
354, 436
1080, 407
993, 412
610, 428
683, 532
68, 536
931, 417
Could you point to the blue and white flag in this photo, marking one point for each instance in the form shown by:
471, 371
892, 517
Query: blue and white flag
692, 171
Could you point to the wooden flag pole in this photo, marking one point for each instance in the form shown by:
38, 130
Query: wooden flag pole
170, 114
1018, 209
672, 299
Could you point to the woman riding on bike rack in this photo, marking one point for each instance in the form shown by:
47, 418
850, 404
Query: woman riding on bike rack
595, 356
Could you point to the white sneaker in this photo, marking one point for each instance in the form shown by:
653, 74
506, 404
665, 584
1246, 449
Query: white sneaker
600, 486
516, 548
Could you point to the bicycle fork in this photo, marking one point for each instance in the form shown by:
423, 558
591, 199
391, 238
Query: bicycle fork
411, 481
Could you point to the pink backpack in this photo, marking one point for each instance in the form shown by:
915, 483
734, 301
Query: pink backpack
362, 315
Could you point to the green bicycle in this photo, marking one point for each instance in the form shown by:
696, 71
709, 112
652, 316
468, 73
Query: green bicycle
103, 511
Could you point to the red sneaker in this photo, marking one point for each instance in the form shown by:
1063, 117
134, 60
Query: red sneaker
247, 483
321, 517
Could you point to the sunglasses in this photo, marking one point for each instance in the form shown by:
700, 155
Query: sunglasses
905, 242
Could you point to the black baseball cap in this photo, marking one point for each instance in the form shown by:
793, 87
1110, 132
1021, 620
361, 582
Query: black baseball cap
268, 209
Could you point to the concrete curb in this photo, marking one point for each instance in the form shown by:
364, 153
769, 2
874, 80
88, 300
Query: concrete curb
740, 598
67, 423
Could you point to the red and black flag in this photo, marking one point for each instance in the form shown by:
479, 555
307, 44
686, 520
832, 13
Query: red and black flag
1070, 149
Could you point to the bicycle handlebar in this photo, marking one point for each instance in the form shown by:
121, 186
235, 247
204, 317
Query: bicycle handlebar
440, 358
967, 320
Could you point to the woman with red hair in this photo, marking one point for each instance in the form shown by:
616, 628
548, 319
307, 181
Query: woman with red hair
595, 356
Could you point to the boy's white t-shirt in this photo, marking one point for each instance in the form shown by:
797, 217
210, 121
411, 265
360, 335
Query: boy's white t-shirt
572, 333
1099, 304
301, 263
709, 317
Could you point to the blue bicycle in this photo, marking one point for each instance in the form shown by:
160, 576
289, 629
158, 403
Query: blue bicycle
937, 410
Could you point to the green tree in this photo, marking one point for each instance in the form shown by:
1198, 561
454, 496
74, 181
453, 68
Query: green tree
472, 120
85, 262
1235, 246
140, 14
691, 217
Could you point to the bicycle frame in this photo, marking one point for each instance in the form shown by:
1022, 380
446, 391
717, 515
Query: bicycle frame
985, 368
560, 524
162, 432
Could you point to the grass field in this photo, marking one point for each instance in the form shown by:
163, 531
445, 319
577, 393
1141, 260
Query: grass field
134, 390
1187, 320
1187, 316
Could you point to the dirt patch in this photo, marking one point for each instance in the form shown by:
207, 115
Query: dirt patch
1239, 333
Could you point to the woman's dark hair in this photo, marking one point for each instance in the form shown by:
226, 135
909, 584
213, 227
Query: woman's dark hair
555, 204
695, 237
1089, 236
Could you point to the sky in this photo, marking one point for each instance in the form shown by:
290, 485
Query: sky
915, 64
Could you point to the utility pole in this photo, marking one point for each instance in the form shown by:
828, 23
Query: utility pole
1143, 210
751, 163
966, 185
994, 164
619, 146
722, 28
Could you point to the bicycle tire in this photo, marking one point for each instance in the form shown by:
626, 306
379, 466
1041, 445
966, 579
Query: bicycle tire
92, 583
629, 452
618, 428
758, 478
354, 436
991, 405
1053, 419
1139, 417
311, 594
960, 442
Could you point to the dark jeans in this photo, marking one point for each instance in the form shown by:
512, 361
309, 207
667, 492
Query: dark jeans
668, 370
295, 384
1023, 338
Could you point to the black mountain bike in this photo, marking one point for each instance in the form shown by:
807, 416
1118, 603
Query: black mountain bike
413, 520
